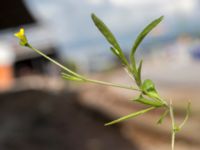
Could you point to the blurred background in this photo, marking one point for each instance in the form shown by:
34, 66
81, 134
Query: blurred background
39, 110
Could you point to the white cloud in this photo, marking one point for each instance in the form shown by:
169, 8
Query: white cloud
95, 2
168, 6
185, 6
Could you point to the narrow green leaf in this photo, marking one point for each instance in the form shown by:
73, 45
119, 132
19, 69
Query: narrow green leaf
148, 101
110, 38
115, 51
121, 57
132, 115
106, 32
163, 116
142, 35
139, 71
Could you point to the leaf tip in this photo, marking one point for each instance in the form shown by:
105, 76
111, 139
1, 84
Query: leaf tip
106, 124
93, 16
160, 19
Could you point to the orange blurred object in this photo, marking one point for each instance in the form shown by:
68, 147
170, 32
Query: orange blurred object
7, 57
6, 77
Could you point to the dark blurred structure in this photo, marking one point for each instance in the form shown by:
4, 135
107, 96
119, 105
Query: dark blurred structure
13, 14
30, 63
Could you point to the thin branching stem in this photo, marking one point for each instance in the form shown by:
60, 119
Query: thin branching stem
53, 61
112, 84
77, 75
186, 117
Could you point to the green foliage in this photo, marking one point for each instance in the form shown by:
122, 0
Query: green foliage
149, 89
148, 94
142, 35
149, 101
110, 38
139, 72
132, 115
72, 77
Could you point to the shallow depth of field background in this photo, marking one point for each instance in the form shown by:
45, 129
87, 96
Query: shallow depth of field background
39, 110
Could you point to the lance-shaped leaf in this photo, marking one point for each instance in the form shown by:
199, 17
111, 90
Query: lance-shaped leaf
142, 35
106, 32
148, 101
115, 51
132, 115
139, 72
109, 37
121, 57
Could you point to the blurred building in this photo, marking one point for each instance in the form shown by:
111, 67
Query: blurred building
16, 61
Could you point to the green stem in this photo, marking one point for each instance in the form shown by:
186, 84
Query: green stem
163, 116
53, 61
186, 117
77, 75
173, 125
173, 140
111, 84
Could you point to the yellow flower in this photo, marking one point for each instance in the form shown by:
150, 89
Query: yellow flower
22, 37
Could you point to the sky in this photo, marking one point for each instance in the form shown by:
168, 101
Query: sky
69, 22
